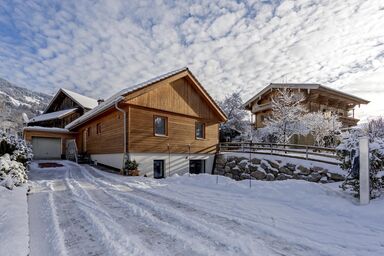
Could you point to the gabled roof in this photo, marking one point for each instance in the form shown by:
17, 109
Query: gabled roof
52, 115
303, 86
110, 102
83, 101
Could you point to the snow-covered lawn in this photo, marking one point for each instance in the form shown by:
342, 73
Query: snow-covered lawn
14, 235
78, 210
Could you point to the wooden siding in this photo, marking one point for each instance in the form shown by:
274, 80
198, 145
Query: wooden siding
178, 96
181, 133
109, 141
63, 136
177, 99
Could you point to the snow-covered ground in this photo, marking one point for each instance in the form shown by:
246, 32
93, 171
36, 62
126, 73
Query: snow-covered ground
78, 210
14, 235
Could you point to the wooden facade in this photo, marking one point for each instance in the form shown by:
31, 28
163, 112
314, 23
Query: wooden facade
60, 102
317, 98
177, 98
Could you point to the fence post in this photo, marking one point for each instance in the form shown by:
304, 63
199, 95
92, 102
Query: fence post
271, 149
364, 170
306, 152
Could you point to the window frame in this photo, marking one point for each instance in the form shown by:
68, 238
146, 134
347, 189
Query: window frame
204, 133
98, 128
88, 131
165, 128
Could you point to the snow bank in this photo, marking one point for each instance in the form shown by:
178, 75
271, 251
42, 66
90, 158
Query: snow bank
14, 234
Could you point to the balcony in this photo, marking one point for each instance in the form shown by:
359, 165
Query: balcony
258, 108
348, 121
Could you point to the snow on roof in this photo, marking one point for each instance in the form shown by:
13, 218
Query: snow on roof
45, 129
84, 101
52, 115
302, 86
119, 96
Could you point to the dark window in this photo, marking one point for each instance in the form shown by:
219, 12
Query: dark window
158, 169
160, 125
196, 166
89, 131
98, 128
200, 130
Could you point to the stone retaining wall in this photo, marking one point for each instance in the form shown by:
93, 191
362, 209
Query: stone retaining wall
240, 168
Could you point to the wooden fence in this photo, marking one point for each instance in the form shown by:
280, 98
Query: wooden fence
318, 154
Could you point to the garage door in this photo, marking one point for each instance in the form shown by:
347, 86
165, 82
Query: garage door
46, 148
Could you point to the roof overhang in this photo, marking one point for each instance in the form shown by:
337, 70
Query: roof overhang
47, 129
137, 89
270, 87
52, 115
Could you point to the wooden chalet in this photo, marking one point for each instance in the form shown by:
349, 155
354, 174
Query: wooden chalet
168, 124
317, 98
65, 107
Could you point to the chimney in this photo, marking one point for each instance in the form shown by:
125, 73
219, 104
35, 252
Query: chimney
99, 101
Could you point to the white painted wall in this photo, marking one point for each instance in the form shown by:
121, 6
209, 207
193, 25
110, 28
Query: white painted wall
113, 160
176, 163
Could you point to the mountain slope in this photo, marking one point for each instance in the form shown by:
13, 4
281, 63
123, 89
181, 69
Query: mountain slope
16, 100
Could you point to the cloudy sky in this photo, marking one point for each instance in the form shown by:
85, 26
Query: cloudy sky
98, 47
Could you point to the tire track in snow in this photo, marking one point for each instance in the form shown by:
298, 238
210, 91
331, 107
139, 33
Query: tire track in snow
224, 239
58, 234
168, 225
109, 233
246, 231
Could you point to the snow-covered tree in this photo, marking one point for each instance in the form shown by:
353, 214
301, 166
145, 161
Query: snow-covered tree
237, 122
348, 153
324, 127
14, 154
286, 118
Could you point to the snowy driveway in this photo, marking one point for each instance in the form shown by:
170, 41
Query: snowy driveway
78, 210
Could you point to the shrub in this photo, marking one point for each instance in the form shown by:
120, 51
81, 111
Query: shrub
14, 156
131, 168
348, 153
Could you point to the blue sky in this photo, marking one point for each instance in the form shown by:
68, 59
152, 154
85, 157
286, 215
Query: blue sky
99, 47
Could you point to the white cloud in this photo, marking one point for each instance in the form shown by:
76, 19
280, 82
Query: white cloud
98, 48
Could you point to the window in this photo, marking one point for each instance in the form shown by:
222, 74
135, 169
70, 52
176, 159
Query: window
89, 131
160, 125
200, 130
98, 128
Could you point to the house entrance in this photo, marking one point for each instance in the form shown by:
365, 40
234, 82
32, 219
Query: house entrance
158, 169
196, 166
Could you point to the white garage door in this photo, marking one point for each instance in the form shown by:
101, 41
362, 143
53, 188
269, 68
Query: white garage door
46, 148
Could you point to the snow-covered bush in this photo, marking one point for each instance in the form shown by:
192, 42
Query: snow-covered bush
348, 153
14, 155
324, 127
12, 173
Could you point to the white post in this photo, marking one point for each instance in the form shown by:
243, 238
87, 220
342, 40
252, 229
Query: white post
364, 170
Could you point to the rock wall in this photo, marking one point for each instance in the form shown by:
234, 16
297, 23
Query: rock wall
240, 168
